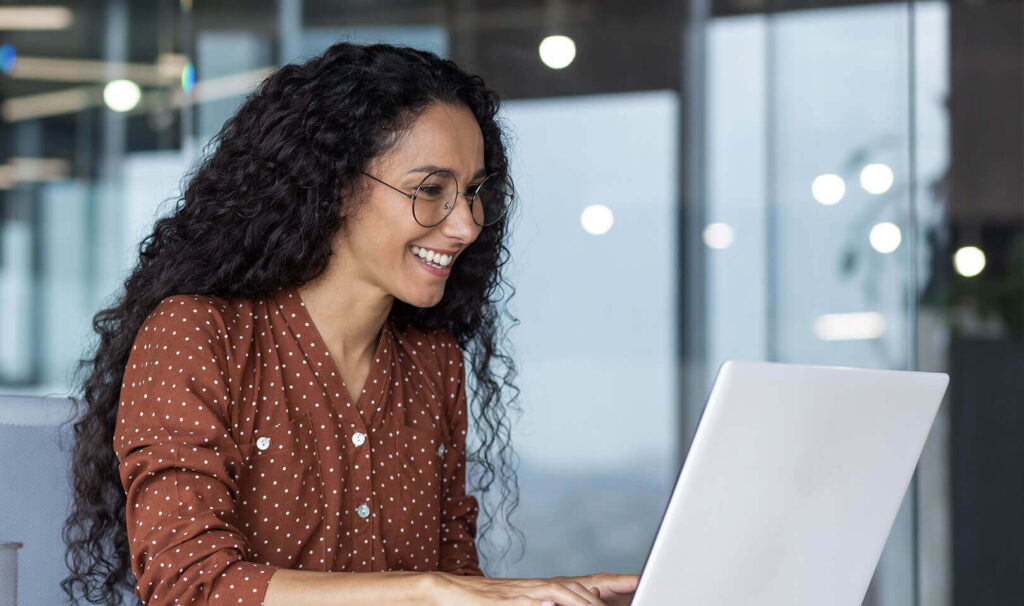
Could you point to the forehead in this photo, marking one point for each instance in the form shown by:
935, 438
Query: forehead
443, 135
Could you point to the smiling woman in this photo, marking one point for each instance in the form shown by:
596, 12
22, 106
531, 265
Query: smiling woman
279, 394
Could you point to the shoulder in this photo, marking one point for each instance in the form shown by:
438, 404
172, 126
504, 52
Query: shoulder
185, 308
209, 313
204, 324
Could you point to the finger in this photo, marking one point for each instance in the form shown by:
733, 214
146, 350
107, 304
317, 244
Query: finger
625, 585
528, 601
580, 590
571, 589
618, 583
566, 596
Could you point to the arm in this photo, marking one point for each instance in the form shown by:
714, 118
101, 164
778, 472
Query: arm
178, 465
458, 509
311, 588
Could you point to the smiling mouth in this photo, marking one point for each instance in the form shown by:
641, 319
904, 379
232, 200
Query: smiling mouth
431, 268
435, 260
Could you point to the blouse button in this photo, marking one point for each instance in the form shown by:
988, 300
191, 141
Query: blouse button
440, 450
363, 510
358, 438
263, 443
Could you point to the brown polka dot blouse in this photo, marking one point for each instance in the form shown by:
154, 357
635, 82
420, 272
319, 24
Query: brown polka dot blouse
241, 452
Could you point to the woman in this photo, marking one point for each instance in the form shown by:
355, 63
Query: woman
283, 380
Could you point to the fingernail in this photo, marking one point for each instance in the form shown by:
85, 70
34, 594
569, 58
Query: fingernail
547, 603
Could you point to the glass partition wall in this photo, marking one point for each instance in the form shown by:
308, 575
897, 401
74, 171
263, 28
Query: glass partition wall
814, 181
861, 202
814, 156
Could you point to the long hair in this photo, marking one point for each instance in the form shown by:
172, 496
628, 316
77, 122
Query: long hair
260, 213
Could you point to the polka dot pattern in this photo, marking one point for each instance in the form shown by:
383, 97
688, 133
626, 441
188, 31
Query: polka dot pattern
241, 452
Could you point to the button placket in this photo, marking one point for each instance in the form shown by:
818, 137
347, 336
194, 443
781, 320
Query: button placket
364, 510
359, 438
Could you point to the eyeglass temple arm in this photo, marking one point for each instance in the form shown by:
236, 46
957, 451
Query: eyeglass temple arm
465, 192
407, 195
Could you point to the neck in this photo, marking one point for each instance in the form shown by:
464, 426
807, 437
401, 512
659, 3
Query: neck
348, 314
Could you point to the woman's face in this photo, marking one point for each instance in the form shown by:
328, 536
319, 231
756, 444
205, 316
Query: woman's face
378, 240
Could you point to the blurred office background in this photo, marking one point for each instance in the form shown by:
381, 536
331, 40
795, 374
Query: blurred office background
815, 181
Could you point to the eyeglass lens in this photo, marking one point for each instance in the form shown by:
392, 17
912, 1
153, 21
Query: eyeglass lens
436, 197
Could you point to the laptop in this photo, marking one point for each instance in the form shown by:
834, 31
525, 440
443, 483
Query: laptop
791, 486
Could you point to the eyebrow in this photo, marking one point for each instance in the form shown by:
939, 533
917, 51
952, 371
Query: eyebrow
429, 168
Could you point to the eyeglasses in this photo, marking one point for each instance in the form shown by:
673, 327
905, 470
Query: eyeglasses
437, 193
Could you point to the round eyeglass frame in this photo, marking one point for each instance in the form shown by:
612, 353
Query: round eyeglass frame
472, 199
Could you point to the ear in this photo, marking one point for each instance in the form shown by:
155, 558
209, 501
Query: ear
354, 194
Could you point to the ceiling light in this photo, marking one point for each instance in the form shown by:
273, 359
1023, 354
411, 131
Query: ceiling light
557, 51
34, 18
885, 237
828, 189
719, 236
121, 95
597, 219
849, 326
969, 261
876, 178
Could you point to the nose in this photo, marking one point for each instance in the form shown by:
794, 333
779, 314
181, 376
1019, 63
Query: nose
460, 224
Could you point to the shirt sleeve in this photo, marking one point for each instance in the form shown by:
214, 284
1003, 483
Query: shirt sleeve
179, 465
458, 509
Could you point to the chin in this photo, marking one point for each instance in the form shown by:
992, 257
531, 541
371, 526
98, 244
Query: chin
424, 300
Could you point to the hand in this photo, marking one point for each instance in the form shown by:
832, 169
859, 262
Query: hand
459, 590
613, 589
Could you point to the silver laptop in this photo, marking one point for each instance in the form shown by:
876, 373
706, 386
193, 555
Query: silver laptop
791, 486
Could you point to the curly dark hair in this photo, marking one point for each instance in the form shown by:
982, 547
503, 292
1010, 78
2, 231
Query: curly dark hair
259, 213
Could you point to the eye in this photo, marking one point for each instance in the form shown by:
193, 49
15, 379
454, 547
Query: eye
473, 188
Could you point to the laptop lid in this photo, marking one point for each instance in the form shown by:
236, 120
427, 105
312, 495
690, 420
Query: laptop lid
791, 485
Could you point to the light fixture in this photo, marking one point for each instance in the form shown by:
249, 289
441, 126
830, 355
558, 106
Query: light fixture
121, 95
55, 103
719, 236
876, 178
71, 100
828, 189
34, 18
885, 237
166, 71
969, 261
597, 219
557, 52
849, 326
22, 169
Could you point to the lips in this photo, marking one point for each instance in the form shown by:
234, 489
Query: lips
435, 255
436, 271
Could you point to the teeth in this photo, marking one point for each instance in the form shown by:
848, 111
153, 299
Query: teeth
432, 257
